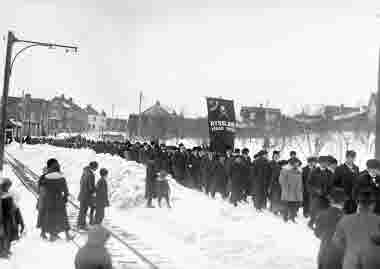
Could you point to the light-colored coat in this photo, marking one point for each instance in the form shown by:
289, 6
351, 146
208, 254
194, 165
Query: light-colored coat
354, 235
291, 185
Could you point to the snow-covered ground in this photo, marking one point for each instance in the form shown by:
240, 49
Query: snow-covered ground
31, 252
198, 232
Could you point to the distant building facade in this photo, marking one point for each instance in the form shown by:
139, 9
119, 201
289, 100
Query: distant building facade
66, 116
260, 117
96, 121
31, 113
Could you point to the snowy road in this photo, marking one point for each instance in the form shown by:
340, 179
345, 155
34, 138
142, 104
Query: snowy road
198, 232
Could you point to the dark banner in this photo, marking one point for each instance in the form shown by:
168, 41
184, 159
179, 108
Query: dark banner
222, 123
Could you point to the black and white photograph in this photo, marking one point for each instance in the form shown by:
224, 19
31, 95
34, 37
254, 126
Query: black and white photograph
190, 134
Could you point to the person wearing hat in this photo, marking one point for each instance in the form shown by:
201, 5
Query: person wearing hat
291, 189
228, 165
247, 183
179, 164
53, 218
152, 169
274, 190
261, 176
306, 172
194, 170
219, 178
356, 234
11, 221
344, 177
369, 178
94, 253
320, 182
274, 166
239, 174
329, 256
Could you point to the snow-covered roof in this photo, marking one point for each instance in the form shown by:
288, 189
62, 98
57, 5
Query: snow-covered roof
348, 115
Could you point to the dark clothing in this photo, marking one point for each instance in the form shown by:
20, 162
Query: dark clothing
194, 172
364, 180
345, 178
319, 186
53, 218
179, 166
261, 178
276, 205
306, 171
12, 222
219, 180
290, 209
239, 174
86, 193
101, 200
87, 185
94, 254
150, 181
329, 256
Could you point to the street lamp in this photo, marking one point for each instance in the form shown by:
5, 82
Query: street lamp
9, 63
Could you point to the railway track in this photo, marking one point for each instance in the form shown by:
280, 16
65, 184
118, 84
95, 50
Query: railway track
126, 249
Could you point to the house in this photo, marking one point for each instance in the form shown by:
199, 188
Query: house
96, 121
66, 116
261, 117
116, 124
31, 113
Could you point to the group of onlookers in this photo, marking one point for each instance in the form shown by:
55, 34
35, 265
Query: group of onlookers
341, 203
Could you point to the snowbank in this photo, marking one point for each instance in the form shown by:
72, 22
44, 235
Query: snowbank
198, 232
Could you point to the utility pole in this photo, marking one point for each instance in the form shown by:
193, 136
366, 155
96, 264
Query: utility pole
139, 122
377, 143
4, 101
22, 117
9, 63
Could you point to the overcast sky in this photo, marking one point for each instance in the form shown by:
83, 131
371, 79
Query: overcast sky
285, 53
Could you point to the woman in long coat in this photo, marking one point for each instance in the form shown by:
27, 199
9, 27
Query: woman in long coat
291, 189
276, 205
53, 218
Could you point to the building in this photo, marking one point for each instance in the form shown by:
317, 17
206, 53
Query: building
116, 124
66, 116
32, 113
96, 121
260, 117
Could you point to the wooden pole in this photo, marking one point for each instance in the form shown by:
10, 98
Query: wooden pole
4, 117
377, 143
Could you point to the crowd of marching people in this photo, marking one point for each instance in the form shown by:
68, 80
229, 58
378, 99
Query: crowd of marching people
342, 204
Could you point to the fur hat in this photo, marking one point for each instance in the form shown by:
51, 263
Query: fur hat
245, 151
324, 159
350, 153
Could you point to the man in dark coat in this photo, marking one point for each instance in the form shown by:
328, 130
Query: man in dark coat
261, 178
180, 164
228, 166
320, 182
94, 254
219, 178
345, 177
306, 172
152, 168
101, 198
370, 179
194, 169
247, 186
239, 173
86, 194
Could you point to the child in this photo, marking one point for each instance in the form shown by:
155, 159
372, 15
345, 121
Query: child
11, 221
163, 188
94, 254
101, 198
